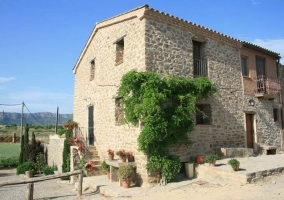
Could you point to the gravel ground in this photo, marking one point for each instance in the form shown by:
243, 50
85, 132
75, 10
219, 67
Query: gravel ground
51, 189
269, 188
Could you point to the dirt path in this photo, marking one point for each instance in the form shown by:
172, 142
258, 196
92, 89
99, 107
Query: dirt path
271, 188
51, 189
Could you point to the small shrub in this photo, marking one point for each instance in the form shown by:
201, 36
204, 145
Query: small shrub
49, 170
9, 162
26, 166
61, 131
40, 162
125, 172
234, 164
105, 166
211, 158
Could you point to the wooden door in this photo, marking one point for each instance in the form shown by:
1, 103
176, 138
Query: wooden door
250, 131
91, 125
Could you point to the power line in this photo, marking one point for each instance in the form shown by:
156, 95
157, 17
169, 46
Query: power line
31, 114
10, 104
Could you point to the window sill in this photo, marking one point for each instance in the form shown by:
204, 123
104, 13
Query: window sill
118, 63
203, 125
247, 77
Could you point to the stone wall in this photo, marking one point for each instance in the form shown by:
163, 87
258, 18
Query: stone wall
54, 151
101, 92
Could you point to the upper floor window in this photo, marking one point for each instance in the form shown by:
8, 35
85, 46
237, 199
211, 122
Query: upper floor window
203, 114
119, 51
119, 111
199, 63
245, 71
260, 65
92, 70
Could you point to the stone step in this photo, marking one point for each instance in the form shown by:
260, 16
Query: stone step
222, 177
96, 162
91, 148
93, 152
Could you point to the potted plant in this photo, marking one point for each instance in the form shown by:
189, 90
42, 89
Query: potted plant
200, 159
122, 155
106, 168
211, 159
125, 174
235, 164
110, 154
89, 166
130, 156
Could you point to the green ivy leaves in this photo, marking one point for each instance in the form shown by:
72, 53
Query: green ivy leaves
165, 107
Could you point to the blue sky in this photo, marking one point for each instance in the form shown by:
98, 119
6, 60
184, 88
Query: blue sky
41, 40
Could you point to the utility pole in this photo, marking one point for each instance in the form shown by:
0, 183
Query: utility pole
22, 119
56, 125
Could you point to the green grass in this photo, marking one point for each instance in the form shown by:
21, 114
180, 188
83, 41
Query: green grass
9, 154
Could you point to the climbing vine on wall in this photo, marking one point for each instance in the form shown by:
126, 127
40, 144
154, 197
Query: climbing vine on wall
164, 107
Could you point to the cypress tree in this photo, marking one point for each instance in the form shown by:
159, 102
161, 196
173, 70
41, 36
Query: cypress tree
21, 159
26, 144
33, 139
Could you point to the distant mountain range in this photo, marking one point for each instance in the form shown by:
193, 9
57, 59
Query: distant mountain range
34, 118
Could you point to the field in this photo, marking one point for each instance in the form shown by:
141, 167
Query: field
9, 154
41, 132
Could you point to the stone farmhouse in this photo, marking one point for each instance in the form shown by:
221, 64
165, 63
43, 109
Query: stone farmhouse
245, 113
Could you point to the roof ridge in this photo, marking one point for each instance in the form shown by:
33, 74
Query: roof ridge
214, 31
145, 5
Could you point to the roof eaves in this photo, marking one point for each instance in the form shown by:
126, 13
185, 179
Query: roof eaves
261, 49
99, 25
194, 24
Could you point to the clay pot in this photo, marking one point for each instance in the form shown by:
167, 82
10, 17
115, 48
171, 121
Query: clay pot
108, 175
213, 163
123, 159
200, 159
236, 168
89, 169
126, 182
130, 158
110, 156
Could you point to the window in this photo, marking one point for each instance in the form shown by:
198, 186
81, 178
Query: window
119, 51
260, 66
203, 114
199, 63
92, 70
275, 115
119, 111
244, 67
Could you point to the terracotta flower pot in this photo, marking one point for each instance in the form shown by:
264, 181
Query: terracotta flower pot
130, 158
126, 182
123, 159
108, 175
200, 159
89, 169
236, 168
213, 163
110, 156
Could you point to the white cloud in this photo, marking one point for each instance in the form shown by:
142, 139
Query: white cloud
255, 2
6, 79
276, 45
